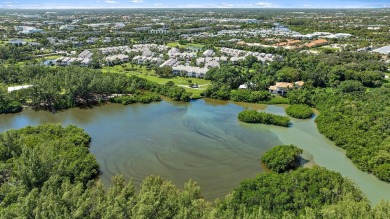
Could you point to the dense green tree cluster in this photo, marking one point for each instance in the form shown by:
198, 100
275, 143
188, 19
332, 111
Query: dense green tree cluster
146, 97
8, 104
299, 111
322, 70
31, 156
291, 193
13, 53
253, 116
282, 158
18, 74
61, 88
164, 72
359, 123
356, 121
171, 90
244, 95
224, 80
351, 86
157, 198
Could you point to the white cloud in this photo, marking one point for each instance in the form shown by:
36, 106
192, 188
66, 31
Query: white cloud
137, 1
229, 5
265, 4
110, 2
307, 6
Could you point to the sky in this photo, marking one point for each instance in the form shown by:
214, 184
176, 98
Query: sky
47, 4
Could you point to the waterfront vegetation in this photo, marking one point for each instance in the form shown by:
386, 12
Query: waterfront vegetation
62, 88
50, 164
244, 95
7, 103
293, 193
356, 121
136, 98
253, 116
299, 111
282, 158
347, 88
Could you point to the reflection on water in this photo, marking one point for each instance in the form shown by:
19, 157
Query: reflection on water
201, 140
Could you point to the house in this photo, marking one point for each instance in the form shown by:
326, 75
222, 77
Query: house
120, 58
318, 42
49, 62
243, 86
34, 44
208, 53
169, 62
67, 27
17, 42
241, 43
65, 61
173, 52
281, 88
212, 64
383, 50
119, 25
86, 62
299, 84
246, 85
159, 31
189, 71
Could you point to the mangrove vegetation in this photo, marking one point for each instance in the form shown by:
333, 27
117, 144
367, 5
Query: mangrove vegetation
282, 158
299, 111
253, 116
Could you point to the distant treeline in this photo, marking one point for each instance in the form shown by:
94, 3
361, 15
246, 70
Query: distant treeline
323, 70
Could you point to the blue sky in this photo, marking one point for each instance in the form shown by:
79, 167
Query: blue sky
194, 4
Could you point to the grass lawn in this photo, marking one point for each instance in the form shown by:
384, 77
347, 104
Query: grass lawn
174, 44
29, 40
142, 72
51, 57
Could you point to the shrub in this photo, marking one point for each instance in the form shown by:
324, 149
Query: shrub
146, 97
248, 96
299, 111
282, 158
383, 172
252, 116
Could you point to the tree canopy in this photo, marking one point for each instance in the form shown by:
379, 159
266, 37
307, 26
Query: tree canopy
282, 158
299, 111
253, 116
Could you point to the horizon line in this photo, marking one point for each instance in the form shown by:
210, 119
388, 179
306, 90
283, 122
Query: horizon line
304, 8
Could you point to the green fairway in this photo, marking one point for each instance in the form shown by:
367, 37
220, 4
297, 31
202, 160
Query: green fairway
150, 75
174, 44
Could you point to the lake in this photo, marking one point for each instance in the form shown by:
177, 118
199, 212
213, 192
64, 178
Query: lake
201, 140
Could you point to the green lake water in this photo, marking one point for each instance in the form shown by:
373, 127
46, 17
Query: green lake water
201, 140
